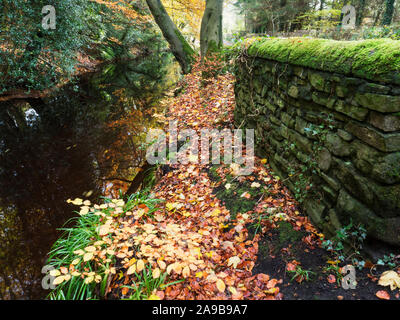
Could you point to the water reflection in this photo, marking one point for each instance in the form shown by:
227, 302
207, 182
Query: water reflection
84, 139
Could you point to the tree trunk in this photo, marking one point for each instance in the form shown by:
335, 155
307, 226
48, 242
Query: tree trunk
182, 51
211, 27
387, 17
360, 12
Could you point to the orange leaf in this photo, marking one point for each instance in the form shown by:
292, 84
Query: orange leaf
125, 290
290, 267
331, 278
382, 294
263, 277
271, 283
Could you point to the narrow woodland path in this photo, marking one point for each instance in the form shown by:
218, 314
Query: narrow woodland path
197, 238
213, 225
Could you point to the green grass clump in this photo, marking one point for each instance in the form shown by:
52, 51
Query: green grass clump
83, 258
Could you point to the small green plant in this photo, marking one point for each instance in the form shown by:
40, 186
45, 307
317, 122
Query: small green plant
301, 274
336, 270
354, 237
145, 285
391, 260
80, 236
259, 218
142, 197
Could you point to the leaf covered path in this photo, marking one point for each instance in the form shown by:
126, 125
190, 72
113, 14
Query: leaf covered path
194, 236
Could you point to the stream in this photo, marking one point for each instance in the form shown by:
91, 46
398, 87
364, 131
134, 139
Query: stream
86, 141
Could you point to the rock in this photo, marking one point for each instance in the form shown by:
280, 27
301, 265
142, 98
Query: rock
375, 88
354, 112
314, 209
341, 91
387, 230
358, 155
287, 120
353, 181
334, 219
385, 122
323, 99
385, 142
293, 91
387, 169
379, 102
300, 125
329, 193
302, 142
317, 80
337, 145
381, 166
324, 159
333, 183
344, 135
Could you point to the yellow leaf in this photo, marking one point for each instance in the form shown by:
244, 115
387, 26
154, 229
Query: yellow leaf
255, 185
232, 290
156, 273
104, 230
140, 265
90, 249
84, 210
263, 161
220, 285
170, 206
77, 201
170, 268
59, 280
89, 279
55, 273
233, 261
88, 256
67, 277
161, 264
390, 278
185, 272
154, 297
131, 269
271, 290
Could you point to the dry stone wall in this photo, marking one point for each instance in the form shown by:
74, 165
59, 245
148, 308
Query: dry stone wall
334, 139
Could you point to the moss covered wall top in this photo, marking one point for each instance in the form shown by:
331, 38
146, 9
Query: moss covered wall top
377, 59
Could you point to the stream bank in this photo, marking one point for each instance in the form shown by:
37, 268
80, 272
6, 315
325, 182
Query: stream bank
82, 140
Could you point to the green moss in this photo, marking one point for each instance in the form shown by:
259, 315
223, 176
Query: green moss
186, 47
232, 197
287, 234
213, 47
377, 59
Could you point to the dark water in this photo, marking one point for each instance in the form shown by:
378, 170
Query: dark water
85, 139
